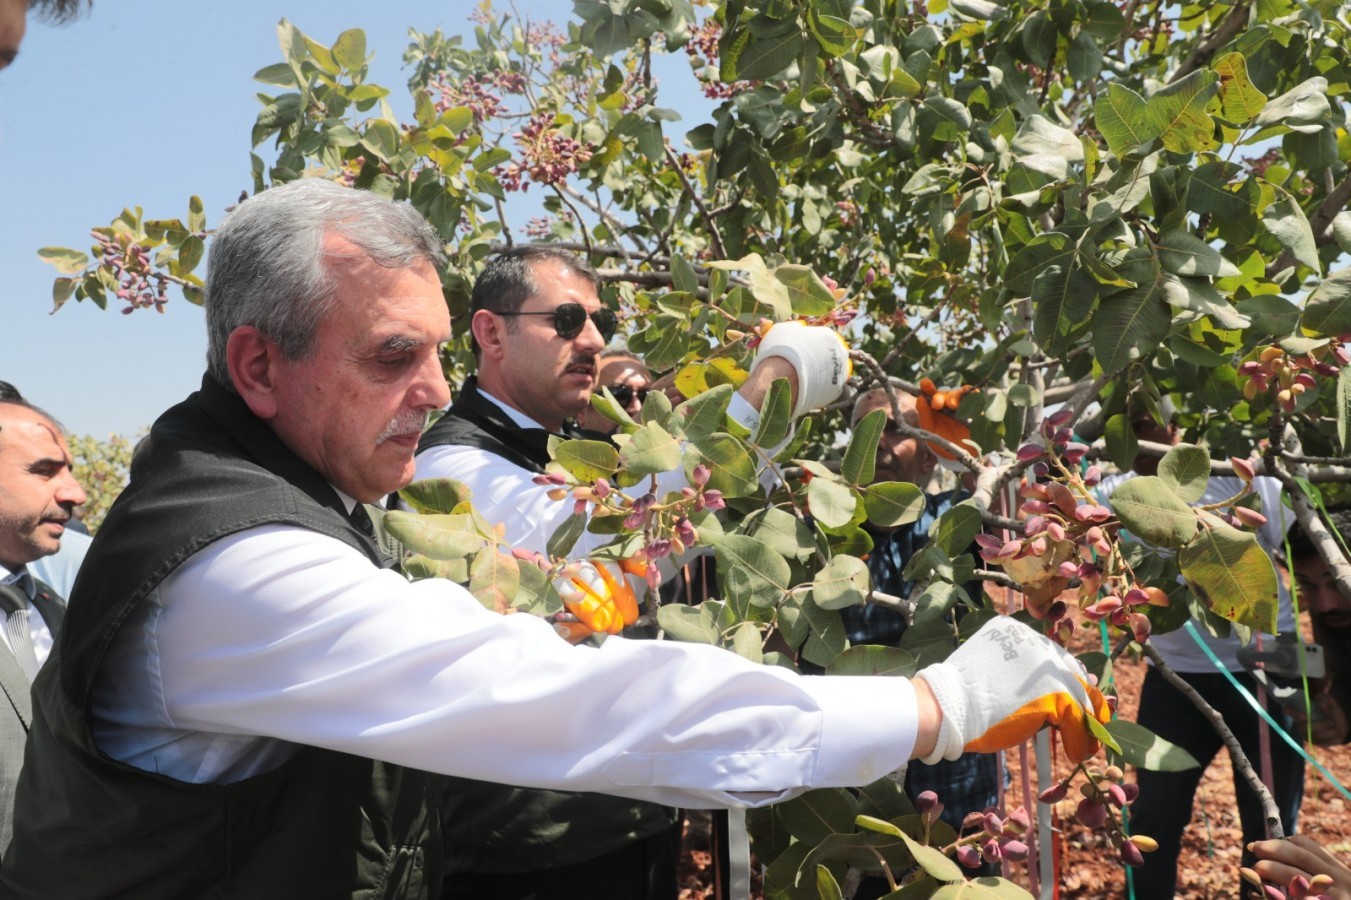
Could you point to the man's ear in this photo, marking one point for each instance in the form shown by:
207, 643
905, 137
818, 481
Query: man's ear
252, 360
489, 330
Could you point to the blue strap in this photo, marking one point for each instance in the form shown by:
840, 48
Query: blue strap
1252, 701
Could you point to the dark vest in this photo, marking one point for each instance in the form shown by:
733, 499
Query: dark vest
323, 825
493, 828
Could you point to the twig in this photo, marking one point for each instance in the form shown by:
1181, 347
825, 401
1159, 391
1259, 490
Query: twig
710, 223
1201, 54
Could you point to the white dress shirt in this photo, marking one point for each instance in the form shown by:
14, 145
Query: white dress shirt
278, 637
42, 635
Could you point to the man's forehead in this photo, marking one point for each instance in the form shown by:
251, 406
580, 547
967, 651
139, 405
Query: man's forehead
561, 283
22, 430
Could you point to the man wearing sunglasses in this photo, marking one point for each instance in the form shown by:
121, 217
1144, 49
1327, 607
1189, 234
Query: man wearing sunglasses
539, 332
628, 380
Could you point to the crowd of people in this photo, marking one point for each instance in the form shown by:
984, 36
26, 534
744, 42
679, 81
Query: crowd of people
237, 695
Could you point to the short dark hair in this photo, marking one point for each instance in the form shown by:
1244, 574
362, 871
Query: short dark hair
9, 393
58, 10
1302, 547
506, 281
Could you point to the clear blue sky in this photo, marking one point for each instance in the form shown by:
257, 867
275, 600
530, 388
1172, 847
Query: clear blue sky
146, 102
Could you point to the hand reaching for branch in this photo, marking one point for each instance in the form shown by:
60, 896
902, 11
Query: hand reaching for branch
1281, 861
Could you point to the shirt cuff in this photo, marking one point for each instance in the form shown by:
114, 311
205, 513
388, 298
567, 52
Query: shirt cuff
868, 727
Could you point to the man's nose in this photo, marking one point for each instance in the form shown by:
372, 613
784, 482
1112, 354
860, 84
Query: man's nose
69, 492
589, 339
430, 390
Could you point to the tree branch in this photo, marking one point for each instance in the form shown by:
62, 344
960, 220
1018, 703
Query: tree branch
1201, 54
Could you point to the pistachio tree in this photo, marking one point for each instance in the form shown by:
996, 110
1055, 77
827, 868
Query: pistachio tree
1064, 211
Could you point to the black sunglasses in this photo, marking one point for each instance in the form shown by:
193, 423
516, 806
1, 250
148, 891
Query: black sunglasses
570, 319
624, 394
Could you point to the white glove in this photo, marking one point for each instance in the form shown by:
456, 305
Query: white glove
1003, 685
818, 354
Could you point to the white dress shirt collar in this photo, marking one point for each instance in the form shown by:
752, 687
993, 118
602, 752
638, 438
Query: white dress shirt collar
520, 418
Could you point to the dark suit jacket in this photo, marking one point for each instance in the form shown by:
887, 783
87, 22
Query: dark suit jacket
16, 715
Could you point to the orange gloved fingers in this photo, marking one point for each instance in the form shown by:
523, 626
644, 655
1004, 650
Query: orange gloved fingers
619, 592
940, 423
1060, 710
598, 595
574, 632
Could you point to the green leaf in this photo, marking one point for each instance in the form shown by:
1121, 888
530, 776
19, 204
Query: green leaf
706, 413
1063, 300
1039, 37
842, 582
827, 888
537, 594
776, 415
1141, 747
807, 293
1182, 253
944, 119
933, 861
1240, 101
278, 73
1040, 253
66, 260
438, 536
892, 503
690, 624
418, 567
1177, 112
767, 573
1327, 312
957, 528
436, 495
785, 533
1038, 135
747, 643
1231, 575
1122, 445
495, 579
732, 468
381, 139
651, 449
860, 457
872, 660
588, 460
1287, 223
683, 275
1303, 106
565, 536
1151, 510
350, 49
1099, 731
832, 504
62, 289
1120, 116
196, 216
1185, 469
1129, 325
763, 58
818, 814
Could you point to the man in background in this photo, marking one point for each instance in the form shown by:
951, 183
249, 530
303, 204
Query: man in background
540, 332
37, 494
969, 783
628, 380
1164, 806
